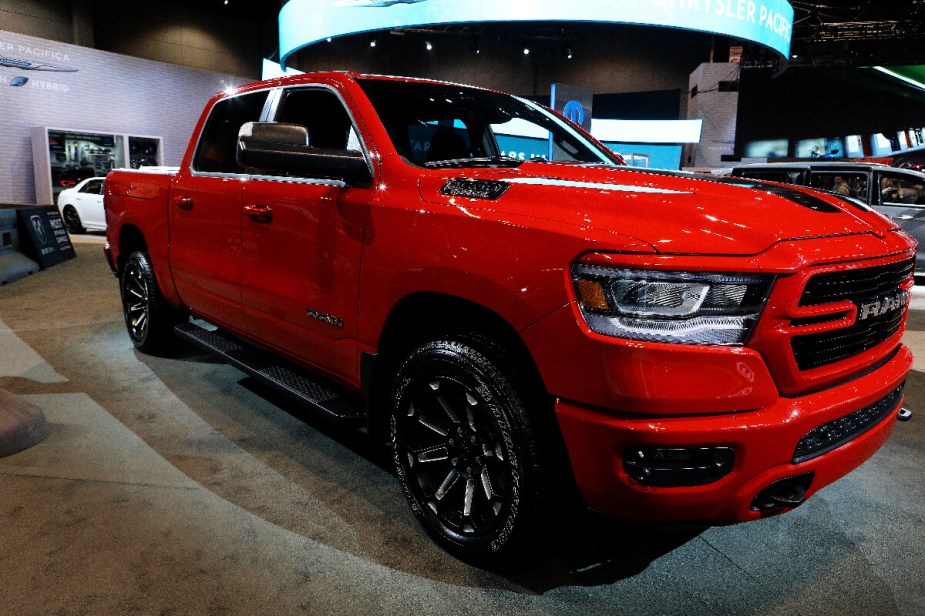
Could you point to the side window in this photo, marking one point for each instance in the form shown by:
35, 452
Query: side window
94, 188
323, 114
438, 140
216, 152
519, 138
844, 183
897, 189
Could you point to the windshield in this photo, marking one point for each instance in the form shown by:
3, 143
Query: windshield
440, 125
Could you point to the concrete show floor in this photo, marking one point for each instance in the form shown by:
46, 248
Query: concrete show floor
176, 485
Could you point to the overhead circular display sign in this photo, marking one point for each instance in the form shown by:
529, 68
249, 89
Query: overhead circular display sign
305, 22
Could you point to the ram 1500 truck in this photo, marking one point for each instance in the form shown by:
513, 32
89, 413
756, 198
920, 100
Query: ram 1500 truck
490, 291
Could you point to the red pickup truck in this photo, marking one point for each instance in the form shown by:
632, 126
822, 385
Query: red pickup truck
483, 286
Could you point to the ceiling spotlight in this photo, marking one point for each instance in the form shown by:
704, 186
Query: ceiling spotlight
329, 39
526, 51
428, 45
372, 43
474, 46
568, 53
226, 2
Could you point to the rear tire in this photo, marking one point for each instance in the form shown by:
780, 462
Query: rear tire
465, 452
148, 318
72, 220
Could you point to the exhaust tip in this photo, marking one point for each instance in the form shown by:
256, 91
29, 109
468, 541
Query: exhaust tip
785, 493
904, 414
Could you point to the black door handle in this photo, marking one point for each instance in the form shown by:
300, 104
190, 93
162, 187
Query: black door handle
259, 213
184, 203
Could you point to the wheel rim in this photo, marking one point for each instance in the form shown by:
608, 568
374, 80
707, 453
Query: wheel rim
72, 219
453, 453
136, 299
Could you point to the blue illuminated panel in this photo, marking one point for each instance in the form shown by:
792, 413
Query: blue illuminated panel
766, 22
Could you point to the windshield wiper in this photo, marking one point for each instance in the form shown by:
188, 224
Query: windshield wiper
480, 161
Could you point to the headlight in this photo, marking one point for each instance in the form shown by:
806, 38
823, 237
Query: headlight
680, 307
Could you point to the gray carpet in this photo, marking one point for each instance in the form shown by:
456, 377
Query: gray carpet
176, 485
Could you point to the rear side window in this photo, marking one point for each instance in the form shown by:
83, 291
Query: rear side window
216, 152
94, 187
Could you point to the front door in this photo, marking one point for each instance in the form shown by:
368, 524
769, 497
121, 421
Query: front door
302, 244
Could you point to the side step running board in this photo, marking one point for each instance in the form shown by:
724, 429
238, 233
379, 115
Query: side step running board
314, 391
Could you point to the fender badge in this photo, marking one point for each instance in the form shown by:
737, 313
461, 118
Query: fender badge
490, 190
324, 318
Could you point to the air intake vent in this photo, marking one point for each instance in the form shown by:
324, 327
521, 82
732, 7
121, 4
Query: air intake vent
845, 429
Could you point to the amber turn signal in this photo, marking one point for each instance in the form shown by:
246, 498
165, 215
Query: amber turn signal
591, 295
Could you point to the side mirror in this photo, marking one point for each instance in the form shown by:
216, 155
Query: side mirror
276, 146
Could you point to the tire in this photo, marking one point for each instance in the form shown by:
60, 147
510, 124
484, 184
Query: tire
72, 220
464, 451
148, 318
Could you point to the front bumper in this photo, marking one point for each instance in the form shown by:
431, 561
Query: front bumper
764, 441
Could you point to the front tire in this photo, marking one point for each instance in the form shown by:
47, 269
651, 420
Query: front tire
464, 450
148, 318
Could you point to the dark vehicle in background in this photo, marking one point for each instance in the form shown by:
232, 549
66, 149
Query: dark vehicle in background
63, 178
898, 193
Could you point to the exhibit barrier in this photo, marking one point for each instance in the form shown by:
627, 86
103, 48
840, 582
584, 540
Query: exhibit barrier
13, 263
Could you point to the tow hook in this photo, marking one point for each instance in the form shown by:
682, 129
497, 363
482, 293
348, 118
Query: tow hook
904, 414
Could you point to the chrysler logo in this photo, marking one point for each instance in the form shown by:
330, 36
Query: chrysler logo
882, 306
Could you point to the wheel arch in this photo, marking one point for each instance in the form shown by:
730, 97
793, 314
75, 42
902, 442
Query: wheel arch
425, 316
420, 317
131, 239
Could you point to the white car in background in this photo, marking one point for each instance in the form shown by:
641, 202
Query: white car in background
81, 207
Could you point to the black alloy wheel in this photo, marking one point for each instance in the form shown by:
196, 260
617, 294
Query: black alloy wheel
464, 452
148, 319
72, 220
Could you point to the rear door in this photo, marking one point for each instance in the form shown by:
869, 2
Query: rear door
90, 203
302, 242
205, 215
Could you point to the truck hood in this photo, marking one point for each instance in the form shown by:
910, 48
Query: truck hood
674, 212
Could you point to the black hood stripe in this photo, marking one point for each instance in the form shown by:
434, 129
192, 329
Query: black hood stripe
791, 194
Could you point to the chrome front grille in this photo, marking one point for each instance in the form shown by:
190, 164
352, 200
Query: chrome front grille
857, 284
863, 287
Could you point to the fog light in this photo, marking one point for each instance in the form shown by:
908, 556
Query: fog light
675, 467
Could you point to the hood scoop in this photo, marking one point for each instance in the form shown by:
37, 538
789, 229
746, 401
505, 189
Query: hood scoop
490, 190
